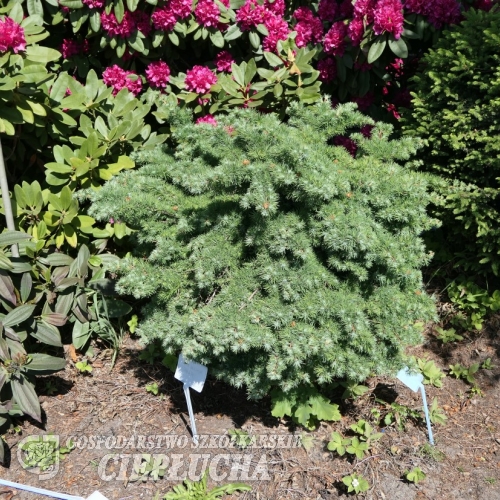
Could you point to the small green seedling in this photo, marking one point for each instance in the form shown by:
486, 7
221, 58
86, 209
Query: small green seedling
356, 445
449, 335
356, 483
338, 443
397, 414
432, 374
83, 367
416, 475
152, 468
353, 389
460, 371
191, 490
486, 365
150, 353
436, 414
153, 388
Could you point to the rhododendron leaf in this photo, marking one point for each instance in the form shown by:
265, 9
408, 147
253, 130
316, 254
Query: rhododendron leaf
376, 49
250, 71
72, 4
173, 38
273, 59
95, 20
132, 4
398, 47
158, 37
232, 33
254, 39
136, 42
236, 4
35, 7
119, 10
217, 39
410, 34
261, 28
40, 54
17, 13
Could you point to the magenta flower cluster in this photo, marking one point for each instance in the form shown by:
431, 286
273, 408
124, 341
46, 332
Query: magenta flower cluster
199, 79
71, 47
11, 36
118, 78
158, 74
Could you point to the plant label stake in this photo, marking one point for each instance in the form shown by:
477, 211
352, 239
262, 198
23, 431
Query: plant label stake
192, 375
414, 382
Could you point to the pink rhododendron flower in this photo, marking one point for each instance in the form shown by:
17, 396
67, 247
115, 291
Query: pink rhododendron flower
334, 39
347, 143
181, 8
164, 19
142, 21
309, 28
70, 48
158, 74
207, 119
207, 13
327, 69
277, 7
11, 36
199, 79
444, 12
250, 15
388, 17
366, 130
328, 10
113, 28
223, 61
356, 30
363, 9
394, 111
118, 78
278, 30
94, 4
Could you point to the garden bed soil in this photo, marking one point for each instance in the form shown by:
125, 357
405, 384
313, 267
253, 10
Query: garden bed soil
108, 411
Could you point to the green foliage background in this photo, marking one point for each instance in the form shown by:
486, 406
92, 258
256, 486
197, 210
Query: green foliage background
456, 111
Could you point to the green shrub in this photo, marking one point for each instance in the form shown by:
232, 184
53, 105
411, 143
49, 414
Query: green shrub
271, 256
455, 110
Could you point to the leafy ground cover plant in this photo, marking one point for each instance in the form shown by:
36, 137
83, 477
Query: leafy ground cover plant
192, 490
259, 245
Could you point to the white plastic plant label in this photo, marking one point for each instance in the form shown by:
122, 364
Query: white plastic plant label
192, 374
414, 382
411, 380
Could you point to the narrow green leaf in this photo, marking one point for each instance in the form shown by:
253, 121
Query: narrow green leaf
25, 396
18, 315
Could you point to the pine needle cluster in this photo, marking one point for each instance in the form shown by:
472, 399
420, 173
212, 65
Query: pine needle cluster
271, 255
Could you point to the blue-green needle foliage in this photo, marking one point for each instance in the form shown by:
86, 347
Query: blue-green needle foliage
271, 256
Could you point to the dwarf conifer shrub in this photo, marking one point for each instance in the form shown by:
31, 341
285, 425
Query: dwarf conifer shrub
456, 109
271, 255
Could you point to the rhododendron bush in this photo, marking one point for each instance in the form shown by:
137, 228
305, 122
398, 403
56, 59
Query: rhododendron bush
186, 47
